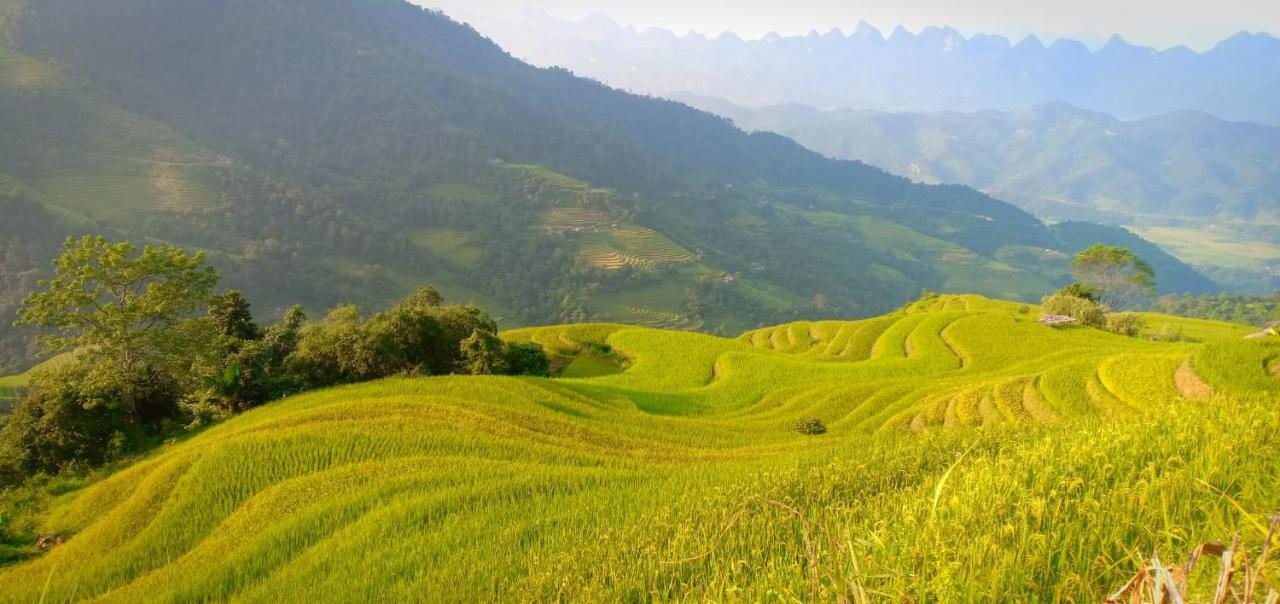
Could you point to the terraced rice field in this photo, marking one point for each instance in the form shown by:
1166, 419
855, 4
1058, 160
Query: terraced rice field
117, 187
971, 455
615, 248
657, 319
19, 70
572, 217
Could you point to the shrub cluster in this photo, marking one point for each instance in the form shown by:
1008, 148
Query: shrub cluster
142, 367
811, 426
1078, 302
1083, 310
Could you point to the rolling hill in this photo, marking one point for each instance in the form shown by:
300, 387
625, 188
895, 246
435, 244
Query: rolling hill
970, 454
336, 150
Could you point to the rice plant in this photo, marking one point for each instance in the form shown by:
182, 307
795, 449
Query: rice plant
967, 453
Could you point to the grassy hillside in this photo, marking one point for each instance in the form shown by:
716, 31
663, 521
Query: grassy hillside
972, 455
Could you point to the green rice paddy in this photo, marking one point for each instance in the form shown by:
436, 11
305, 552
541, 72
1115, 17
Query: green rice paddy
972, 454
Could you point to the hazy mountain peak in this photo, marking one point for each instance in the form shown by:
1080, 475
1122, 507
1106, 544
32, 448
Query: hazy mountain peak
990, 40
1069, 45
938, 69
1031, 41
866, 30
1116, 43
658, 33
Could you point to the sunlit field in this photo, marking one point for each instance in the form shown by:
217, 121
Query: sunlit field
970, 454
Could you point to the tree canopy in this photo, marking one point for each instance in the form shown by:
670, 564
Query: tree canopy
1118, 276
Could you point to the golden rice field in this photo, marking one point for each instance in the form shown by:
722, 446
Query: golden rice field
972, 455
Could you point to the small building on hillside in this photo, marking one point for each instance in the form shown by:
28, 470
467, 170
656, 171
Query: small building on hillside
1056, 320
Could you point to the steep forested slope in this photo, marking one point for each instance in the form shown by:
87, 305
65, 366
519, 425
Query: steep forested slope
336, 149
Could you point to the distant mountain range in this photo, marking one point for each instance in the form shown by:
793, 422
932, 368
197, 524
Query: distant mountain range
1057, 161
938, 69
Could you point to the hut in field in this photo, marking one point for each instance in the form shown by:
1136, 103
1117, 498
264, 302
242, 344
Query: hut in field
1056, 320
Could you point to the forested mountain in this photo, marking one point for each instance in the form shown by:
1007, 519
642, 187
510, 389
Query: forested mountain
938, 69
1057, 161
327, 150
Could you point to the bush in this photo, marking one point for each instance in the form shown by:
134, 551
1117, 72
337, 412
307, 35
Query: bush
1085, 311
1080, 290
1168, 333
1125, 324
811, 426
528, 359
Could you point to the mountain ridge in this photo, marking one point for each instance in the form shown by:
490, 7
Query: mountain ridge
909, 71
350, 151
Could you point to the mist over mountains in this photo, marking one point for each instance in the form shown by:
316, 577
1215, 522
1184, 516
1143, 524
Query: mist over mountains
1058, 161
938, 69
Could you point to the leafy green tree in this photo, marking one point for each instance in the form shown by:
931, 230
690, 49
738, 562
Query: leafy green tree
231, 316
481, 353
242, 372
333, 351
121, 309
1119, 277
528, 358
1080, 290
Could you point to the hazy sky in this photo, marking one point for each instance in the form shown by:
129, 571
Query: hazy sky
1160, 23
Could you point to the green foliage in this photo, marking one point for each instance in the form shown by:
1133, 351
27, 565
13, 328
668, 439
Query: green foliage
810, 426
527, 358
1237, 308
72, 419
231, 317
1085, 311
122, 309
144, 367
1115, 274
481, 354
1080, 290
1126, 324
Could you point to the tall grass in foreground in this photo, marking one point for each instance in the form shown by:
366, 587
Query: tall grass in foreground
972, 455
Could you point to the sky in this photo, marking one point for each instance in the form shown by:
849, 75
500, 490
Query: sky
1158, 23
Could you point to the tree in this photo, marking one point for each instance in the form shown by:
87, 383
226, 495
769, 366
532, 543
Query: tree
1079, 290
1119, 277
121, 308
528, 358
481, 353
230, 314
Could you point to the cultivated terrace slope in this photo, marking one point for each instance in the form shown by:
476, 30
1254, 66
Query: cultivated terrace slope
331, 150
971, 454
